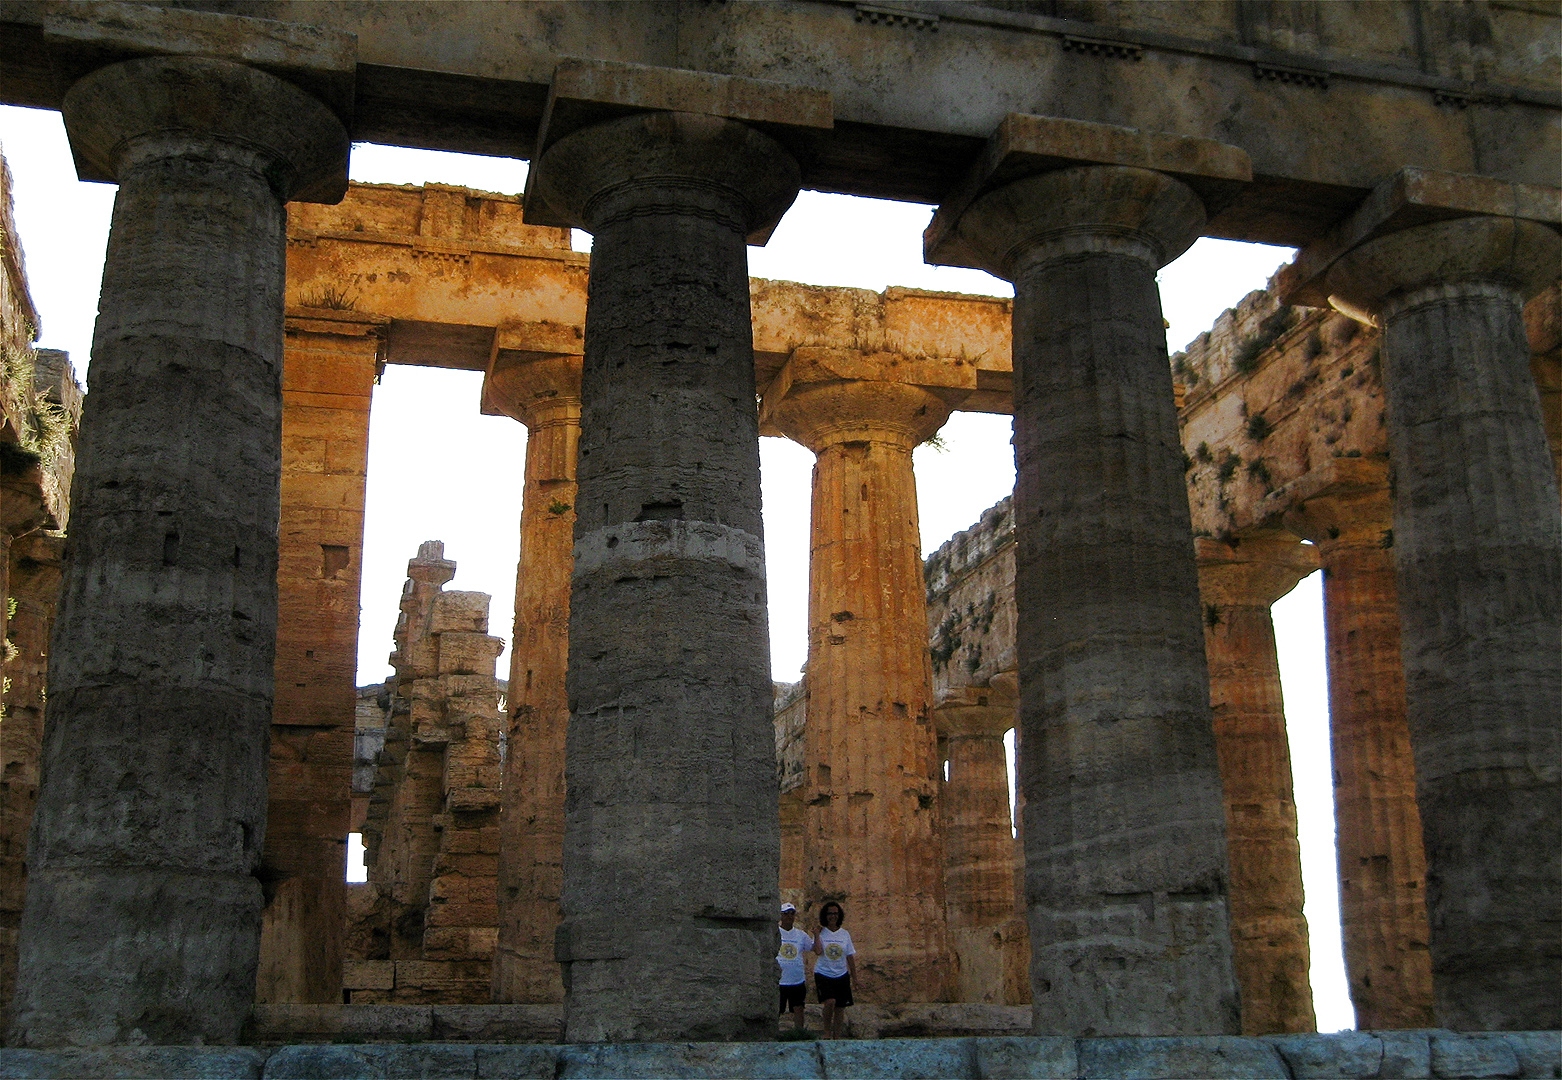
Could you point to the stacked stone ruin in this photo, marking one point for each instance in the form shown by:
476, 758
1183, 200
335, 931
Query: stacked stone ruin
235, 350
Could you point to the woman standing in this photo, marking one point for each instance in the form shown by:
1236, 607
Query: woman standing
835, 967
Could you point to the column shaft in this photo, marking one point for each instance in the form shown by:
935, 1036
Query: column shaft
143, 911
532, 823
671, 835
979, 856
1126, 871
1238, 582
1478, 550
327, 379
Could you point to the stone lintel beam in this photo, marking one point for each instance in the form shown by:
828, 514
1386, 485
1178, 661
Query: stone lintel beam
589, 92
1478, 561
318, 60
1026, 145
1412, 197
1238, 581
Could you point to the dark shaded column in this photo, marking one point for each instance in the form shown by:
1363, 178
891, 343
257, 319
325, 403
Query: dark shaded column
1478, 557
671, 835
1238, 581
1125, 840
1377, 833
143, 911
544, 394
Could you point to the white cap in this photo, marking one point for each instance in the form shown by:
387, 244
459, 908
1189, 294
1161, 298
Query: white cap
788, 907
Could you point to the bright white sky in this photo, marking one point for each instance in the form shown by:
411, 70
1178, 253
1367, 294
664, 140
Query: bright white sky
439, 470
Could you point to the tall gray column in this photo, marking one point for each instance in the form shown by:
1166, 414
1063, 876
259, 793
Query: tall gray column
671, 841
1478, 558
143, 912
1125, 844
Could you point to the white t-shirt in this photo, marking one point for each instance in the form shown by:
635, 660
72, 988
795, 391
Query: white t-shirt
794, 943
836, 946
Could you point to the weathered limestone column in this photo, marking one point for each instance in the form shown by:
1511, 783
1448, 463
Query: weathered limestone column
1478, 558
670, 831
33, 584
1382, 864
978, 842
1126, 871
872, 835
328, 369
543, 394
143, 912
1238, 581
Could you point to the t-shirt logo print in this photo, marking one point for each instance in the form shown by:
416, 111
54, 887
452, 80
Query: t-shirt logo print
833, 951
789, 951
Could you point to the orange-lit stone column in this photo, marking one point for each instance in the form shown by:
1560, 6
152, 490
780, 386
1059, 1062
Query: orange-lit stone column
328, 370
871, 837
1382, 862
978, 838
1238, 581
543, 394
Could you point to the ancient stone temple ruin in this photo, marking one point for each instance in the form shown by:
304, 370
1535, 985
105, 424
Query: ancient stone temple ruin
1391, 400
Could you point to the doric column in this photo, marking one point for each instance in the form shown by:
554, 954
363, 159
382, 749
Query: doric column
143, 909
1238, 581
1478, 561
543, 394
872, 834
327, 378
33, 585
670, 828
1126, 872
1382, 865
978, 839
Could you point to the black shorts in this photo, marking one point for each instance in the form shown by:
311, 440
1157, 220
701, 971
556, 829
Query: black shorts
793, 997
839, 988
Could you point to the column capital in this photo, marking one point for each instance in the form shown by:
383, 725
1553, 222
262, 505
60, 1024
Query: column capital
1351, 506
1441, 258
700, 164
172, 106
534, 389
1099, 208
810, 403
1251, 571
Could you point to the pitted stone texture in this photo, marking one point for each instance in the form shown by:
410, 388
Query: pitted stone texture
872, 832
1126, 874
1238, 581
671, 823
1172, 1059
1478, 554
1023, 1058
135, 1063
1382, 863
897, 1059
655, 1061
143, 915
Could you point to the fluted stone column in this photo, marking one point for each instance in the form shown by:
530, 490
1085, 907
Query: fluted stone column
543, 394
1238, 581
1126, 872
143, 911
872, 835
670, 838
1382, 864
978, 844
1478, 558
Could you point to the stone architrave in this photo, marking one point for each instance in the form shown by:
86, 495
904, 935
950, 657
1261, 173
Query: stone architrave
1126, 867
143, 912
1478, 561
979, 878
872, 835
1382, 864
328, 373
1238, 581
544, 394
670, 835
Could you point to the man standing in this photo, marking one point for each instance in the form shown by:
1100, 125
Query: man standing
795, 944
